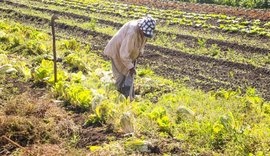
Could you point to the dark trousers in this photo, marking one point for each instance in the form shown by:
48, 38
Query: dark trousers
123, 83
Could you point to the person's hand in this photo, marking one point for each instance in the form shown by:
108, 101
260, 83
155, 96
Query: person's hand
132, 71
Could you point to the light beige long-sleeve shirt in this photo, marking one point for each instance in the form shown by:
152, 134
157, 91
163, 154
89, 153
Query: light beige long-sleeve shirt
126, 46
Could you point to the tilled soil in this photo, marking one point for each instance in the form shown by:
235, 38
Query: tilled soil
206, 8
204, 72
94, 136
223, 44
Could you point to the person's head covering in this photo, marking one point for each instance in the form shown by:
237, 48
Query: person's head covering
147, 25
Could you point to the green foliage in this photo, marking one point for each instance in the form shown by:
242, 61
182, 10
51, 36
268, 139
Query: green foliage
137, 145
183, 113
3, 37
19, 40
70, 45
224, 130
144, 72
127, 122
102, 113
157, 113
3, 59
94, 148
165, 124
8, 69
202, 42
92, 24
24, 69
77, 95
45, 72
75, 62
227, 94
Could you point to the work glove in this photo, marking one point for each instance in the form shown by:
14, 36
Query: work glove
132, 71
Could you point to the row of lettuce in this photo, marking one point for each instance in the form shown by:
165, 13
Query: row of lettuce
263, 4
173, 17
240, 3
228, 122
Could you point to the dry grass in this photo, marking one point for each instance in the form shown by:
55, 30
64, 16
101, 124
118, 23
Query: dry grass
29, 120
44, 150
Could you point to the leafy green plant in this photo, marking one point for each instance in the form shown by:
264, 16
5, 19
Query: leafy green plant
76, 62
183, 113
227, 94
145, 72
92, 24
224, 130
137, 145
77, 95
157, 113
102, 113
214, 50
165, 124
202, 42
3, 37
127, 122
3, 59
70, 45
45, 73
22, 68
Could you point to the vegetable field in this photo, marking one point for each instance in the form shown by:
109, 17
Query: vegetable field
202, 85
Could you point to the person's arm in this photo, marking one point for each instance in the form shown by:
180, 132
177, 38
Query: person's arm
142, 49
125, 51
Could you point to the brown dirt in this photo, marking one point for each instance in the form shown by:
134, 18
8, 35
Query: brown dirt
172, 146
92, 136
44, 150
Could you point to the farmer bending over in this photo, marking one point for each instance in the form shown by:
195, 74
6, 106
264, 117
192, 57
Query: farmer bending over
125, 47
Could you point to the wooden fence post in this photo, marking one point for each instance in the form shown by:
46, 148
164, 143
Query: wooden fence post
54, 17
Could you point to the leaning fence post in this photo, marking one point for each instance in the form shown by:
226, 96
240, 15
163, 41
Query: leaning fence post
54, 17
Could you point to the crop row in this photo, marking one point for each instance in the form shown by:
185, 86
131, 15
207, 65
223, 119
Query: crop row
203, 8
86, 18
211, 51
171, 17
239, 3
186, 31
107, 36
176, 63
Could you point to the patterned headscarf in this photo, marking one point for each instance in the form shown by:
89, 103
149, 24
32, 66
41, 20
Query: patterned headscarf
147, 25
